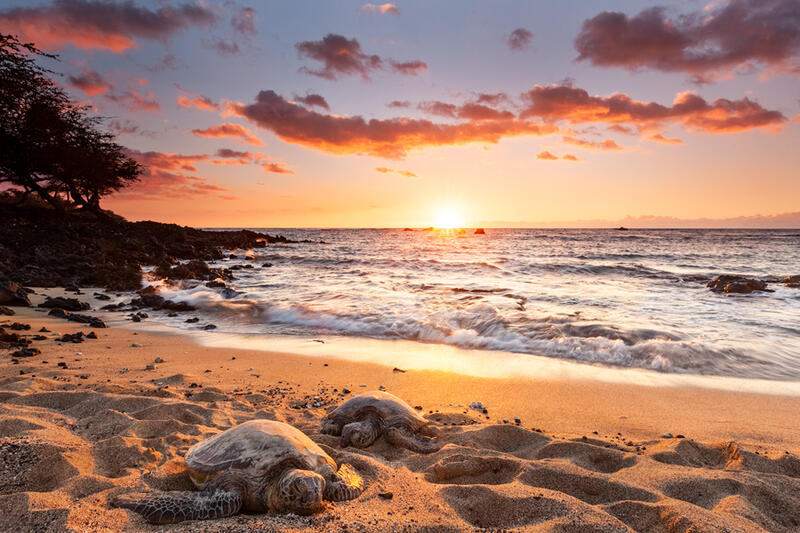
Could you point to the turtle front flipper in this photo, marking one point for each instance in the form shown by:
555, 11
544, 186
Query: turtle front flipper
400, 436
177, 506
345, 484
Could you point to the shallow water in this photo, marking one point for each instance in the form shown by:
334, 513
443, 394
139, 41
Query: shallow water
619, 298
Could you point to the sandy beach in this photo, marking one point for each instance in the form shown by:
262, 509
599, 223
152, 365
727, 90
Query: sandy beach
83, 422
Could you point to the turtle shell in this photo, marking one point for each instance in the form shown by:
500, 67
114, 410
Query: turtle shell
255, 447
392, 409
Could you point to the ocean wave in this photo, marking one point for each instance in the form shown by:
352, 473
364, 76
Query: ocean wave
482, 326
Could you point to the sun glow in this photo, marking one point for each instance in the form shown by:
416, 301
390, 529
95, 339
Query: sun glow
448, 218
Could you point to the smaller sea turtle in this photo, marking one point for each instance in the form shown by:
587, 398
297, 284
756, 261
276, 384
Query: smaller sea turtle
258, 466
363, 418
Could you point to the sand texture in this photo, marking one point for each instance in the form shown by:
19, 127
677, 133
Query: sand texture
73, 438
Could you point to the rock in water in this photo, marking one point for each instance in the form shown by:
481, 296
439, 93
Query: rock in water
12, 293
736, 284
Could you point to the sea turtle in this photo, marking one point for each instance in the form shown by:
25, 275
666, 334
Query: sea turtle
363, 418
259, 466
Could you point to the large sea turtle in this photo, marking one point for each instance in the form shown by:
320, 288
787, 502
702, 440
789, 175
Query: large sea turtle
363, 418
259, 466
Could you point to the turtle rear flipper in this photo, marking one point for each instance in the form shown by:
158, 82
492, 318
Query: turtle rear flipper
177, 506
400, 436
345, 484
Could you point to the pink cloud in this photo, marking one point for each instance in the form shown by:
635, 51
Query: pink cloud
89, 24
738, 35
228, 129
406, 173
381, 8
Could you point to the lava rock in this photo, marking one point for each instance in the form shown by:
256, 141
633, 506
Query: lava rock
169, 305
736, 284
26, 352
12, 293
18, 326
67, 304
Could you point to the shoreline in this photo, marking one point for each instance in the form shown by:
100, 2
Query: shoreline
415, 355
82, 423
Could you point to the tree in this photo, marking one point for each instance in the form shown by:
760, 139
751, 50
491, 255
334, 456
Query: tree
49, 145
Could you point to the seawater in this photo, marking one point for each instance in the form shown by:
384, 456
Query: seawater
622, 298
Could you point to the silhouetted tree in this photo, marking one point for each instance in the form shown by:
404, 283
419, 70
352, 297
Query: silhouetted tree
49, 145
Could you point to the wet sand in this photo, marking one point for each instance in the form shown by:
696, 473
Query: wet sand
586, 456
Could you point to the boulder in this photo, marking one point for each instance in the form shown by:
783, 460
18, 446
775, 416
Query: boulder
68, 304
732, 284
793, 281
7, 311
169, 305
12, 293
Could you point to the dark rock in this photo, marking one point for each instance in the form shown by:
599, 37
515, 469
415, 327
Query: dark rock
101, 296
112, 307
736, 284
216, 284
18, 326
169, 305
793, 281
192, 320
74, 317
62, 364
26, 352
12, 339
12, 293
38, 338
229, 293
148, 300
210, 326
6, 311
68, 304
58, 313
266, 265
44, 330
43, 248
74, 337
91, 335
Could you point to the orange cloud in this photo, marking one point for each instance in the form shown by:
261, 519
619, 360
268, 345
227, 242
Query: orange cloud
606, 144
198, 101
665, 140
569, 157
276, 168
547, 156
90, 82
406, 173
228, 129
164, 178
89, 24
382, 8
391, 138
565, 102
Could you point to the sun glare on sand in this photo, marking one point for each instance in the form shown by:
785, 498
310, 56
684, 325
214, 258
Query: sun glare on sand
448, 218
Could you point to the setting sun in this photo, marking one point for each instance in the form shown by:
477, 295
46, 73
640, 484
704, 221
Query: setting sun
448, 218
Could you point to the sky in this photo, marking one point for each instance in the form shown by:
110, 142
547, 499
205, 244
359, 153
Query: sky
474, 113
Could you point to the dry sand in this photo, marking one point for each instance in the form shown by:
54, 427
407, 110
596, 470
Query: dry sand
587, 456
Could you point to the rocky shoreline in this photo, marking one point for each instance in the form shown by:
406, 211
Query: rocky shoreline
42, 249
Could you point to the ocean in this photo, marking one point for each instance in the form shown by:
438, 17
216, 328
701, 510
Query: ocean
632, 298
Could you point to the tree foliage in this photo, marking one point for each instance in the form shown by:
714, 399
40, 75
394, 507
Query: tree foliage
49, 145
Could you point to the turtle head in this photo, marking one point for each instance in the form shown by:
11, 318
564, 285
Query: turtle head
359, 434
297, 491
